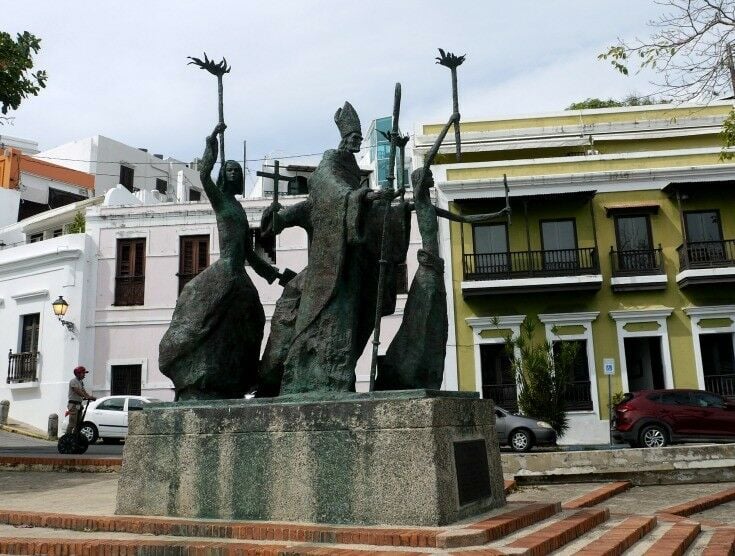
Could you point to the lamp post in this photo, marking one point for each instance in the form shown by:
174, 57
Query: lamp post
60, 306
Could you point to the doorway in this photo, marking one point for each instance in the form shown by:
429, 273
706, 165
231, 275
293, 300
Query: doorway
644, 364
718, 362
498, 381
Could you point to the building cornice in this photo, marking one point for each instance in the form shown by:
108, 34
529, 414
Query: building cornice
569, 318
645, 178
39, 259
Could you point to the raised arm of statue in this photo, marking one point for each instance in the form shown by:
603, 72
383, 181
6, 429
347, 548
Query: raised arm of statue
207, 163
471, 218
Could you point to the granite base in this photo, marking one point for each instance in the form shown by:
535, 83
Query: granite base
393, 458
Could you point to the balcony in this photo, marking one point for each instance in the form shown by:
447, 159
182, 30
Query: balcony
504, 395
706, 262
22, 367
579, 396
641, 269
532, 271
720, 384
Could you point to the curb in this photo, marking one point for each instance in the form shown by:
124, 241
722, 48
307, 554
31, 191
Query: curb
40, 463
25, 432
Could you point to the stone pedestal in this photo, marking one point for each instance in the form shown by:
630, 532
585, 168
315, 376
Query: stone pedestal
394, 458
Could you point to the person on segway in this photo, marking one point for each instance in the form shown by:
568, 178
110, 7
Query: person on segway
72, 442
77, 393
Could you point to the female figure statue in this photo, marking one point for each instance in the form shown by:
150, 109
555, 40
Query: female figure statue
415, 357
212, 348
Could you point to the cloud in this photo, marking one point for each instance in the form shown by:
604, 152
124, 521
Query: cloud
120, 69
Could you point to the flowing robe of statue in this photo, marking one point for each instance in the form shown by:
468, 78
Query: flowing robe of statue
212, 347
326, 315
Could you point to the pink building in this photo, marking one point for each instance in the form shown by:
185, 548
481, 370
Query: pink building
144, 255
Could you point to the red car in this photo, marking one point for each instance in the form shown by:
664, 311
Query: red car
656, 418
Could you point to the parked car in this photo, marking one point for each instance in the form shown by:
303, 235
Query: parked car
522, 433
656, 418
107, 418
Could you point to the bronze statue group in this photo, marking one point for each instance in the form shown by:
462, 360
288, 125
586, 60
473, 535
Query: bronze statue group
327, 313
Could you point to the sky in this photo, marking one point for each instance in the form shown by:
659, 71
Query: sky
119, 69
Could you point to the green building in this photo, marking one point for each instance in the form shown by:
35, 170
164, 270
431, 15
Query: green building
622, 239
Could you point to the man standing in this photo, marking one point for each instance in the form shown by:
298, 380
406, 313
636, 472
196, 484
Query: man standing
77, 393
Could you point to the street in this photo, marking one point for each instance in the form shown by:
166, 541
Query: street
18, 445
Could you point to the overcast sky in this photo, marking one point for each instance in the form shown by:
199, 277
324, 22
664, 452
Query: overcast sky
119, 68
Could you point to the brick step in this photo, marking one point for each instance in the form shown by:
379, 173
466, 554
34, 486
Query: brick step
722, 543
620, 537
239, 530
700, 504
676, 540
597, 495
497, 526
557, 534
182, 547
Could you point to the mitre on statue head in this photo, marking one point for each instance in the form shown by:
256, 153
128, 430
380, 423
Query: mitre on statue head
347, 120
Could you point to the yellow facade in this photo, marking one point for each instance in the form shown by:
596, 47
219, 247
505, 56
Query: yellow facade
637, 173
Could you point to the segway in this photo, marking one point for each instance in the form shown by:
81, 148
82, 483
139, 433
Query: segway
75, 442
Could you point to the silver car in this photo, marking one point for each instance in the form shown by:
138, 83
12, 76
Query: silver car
522, 433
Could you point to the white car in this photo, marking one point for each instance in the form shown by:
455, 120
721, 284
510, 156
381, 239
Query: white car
107, 418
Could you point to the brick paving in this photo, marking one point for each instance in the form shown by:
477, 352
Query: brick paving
46, 513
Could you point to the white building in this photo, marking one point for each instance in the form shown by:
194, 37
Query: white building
113, 163
41, 350
26, 146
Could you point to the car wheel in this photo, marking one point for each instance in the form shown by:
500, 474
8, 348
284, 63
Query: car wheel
89, 431
520, 440
653, 436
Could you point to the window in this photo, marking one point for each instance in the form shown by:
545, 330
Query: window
125, 380
491, 248
35, 238
130, 273
193, 257
195, 195
127, 177
113, 404
704, 236
635, 249
401, 278
675, 398
559, 244
29, 333
578, 395
161, 186
58, 232
135, 404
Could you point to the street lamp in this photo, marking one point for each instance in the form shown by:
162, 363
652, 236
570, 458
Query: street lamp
60, 306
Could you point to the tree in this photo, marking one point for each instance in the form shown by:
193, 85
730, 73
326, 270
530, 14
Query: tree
79, 224
17, 81
689, 47
630, 100
542, 376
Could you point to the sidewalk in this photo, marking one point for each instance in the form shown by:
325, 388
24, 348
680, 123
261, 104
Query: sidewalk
16, 427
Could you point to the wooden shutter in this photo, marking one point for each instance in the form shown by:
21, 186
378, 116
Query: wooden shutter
193, 258
29, 337
130, 272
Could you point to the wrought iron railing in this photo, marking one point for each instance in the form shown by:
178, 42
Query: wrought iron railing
720, 384
504, 395
524, 264
636, 262
579, 395
22, 367
707, 254
129, 290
